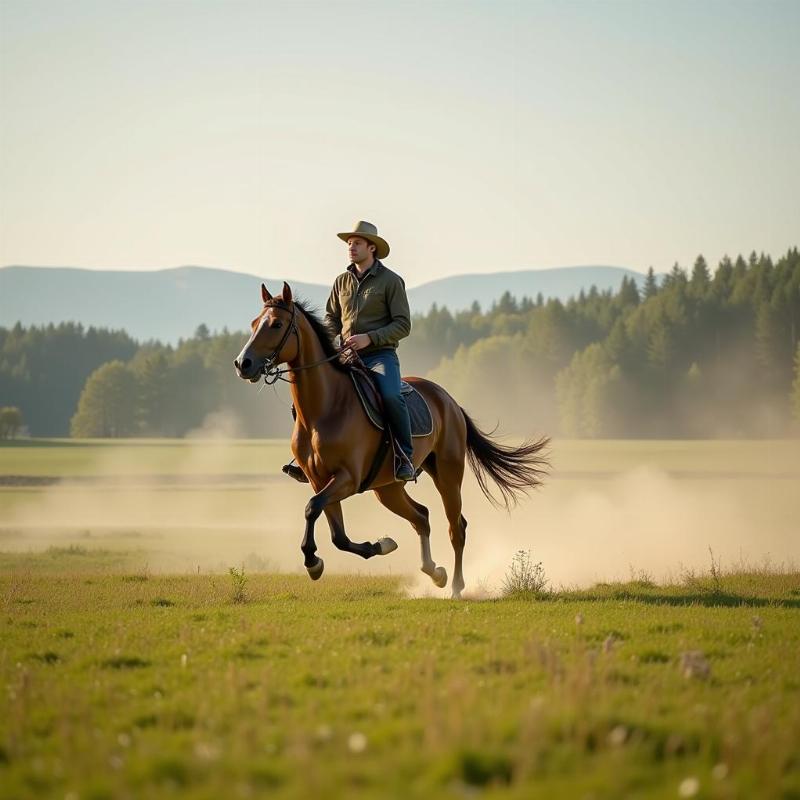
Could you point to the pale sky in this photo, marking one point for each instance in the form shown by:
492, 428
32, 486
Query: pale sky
478, 136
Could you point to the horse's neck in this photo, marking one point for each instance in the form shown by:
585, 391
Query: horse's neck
319, 391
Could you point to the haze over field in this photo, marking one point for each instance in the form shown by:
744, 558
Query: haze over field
609, 510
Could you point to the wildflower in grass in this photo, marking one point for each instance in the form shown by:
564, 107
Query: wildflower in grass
524, 576
207, 751
184, 660
324, 733
689, 787
357, 742
618, 735
720, 771
695, 665
579, 619
124, 740
608, 644
238, 583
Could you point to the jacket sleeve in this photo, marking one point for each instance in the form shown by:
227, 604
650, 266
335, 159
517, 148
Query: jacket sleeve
400, 326
333, 313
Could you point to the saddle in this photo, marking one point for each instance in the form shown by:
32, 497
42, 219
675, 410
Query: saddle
418, 411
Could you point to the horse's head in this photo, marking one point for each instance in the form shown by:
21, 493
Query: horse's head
271, 341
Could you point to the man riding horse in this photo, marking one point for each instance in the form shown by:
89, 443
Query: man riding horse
368, 311
338, 446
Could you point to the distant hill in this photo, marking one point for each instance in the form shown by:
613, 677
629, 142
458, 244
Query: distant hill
169, 304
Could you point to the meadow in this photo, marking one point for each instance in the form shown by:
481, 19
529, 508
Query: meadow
155, 640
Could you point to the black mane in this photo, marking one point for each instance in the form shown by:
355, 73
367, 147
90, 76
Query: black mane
322, 334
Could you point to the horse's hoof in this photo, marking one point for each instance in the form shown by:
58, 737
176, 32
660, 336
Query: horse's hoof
386, 546
439, 577
456, 595
315, 572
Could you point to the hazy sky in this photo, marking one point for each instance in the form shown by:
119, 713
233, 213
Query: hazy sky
476, 135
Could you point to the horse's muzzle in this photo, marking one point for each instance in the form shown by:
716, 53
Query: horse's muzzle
247, 369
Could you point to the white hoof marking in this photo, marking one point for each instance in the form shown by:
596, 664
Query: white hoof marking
387, 545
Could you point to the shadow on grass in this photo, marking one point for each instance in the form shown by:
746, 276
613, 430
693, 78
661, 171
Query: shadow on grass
709, 599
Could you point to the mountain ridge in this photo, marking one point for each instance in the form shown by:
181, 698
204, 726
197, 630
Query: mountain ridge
169, 304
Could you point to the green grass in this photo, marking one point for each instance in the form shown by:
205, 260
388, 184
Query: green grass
74, 458
138, 685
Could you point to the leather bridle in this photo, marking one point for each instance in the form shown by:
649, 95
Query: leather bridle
270, 369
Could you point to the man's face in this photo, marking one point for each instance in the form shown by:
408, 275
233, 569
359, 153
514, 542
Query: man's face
360, 249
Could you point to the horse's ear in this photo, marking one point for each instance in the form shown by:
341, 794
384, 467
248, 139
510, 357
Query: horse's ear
265, 295
287, 293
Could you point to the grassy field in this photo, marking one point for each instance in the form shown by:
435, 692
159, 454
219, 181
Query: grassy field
134, 664
136, 685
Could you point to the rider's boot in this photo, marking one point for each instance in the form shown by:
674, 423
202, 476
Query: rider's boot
406, 471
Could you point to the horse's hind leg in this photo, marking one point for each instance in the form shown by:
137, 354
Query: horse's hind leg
333, 513
396, 499
447, 475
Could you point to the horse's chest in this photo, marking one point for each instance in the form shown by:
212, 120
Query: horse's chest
316, 449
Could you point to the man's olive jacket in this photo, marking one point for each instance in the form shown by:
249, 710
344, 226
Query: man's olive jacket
376, 305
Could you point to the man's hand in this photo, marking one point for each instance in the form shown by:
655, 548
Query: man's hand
358, 342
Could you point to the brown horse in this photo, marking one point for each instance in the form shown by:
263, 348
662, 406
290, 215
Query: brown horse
334, 443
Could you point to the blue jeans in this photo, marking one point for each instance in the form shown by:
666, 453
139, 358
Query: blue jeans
385, 367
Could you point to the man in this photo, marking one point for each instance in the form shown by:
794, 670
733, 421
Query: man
368, 310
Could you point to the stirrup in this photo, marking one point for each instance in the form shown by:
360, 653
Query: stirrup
293, 471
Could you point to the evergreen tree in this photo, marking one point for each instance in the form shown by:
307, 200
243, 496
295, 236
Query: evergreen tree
507, 304
628, 293
701, 278
650, 285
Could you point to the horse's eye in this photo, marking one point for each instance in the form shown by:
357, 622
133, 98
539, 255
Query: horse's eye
277, 324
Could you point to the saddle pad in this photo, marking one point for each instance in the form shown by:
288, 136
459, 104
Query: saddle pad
418, 411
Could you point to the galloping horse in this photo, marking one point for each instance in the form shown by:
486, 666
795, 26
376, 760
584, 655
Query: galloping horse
334, 442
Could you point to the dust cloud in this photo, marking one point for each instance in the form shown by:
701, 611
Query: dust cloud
209, 511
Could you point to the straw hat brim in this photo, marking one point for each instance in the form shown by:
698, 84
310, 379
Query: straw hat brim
381, 245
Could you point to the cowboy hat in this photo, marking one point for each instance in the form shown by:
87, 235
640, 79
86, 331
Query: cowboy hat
366, 230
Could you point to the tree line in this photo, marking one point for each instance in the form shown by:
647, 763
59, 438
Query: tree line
694, 354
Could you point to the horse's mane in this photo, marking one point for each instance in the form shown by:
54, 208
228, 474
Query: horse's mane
313, 319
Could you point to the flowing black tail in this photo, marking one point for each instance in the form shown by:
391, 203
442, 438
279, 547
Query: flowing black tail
515, 470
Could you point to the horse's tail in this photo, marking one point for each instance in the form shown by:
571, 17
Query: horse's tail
515, 470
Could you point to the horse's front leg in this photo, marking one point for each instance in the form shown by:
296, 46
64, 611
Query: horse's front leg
340, 486
333, 511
